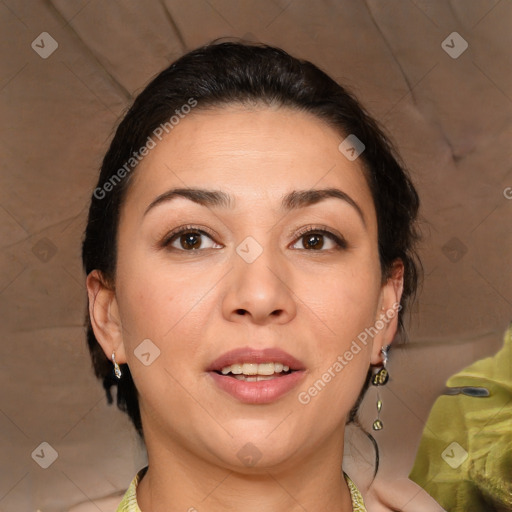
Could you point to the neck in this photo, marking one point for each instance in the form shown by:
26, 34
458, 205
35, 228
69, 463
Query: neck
177, 480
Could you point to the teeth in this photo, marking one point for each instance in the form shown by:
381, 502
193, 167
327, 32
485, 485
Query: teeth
262, 369
250, 369
253, 379
236, 369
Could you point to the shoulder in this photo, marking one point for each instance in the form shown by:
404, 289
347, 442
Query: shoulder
401, 494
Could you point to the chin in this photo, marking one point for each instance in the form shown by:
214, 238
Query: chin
254, 453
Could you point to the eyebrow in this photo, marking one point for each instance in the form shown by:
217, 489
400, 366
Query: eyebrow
291, 201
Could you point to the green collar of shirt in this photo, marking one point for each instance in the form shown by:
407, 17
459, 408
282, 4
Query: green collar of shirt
129, 503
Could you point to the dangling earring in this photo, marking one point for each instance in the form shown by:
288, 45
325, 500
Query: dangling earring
117, 370
380, 379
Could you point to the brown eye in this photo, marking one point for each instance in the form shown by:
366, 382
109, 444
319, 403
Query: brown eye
189, 240
315, 240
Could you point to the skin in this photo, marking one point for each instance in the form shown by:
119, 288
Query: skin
310, 302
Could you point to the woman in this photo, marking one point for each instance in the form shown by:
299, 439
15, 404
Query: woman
250, 225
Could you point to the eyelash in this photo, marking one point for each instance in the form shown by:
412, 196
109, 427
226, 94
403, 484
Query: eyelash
340, 242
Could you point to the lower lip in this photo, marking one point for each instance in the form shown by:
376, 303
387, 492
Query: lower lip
258, 392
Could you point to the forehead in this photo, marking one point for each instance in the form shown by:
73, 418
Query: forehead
254, 154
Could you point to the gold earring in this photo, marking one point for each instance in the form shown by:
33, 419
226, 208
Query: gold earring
380, 379
117, 370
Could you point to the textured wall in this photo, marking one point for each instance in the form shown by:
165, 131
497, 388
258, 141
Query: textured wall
449, 114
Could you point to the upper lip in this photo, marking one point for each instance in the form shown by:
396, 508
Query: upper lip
252, 355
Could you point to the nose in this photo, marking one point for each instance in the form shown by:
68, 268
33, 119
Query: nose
261, 291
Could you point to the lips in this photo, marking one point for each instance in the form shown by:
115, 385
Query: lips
253, 390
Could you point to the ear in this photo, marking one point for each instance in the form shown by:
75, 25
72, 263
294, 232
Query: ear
104, 314
386, 321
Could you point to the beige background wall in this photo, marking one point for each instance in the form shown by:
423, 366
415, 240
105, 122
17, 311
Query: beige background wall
451, 119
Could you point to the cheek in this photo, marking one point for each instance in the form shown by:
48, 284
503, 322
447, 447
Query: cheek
156, 296
346, 298
164, 308
342, 359
168, 306
342, 313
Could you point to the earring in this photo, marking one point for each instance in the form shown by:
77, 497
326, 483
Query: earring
117, 370
380, 379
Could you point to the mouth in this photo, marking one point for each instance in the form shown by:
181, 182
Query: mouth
256, 376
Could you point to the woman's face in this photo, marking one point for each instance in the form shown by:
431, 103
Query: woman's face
246, 277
